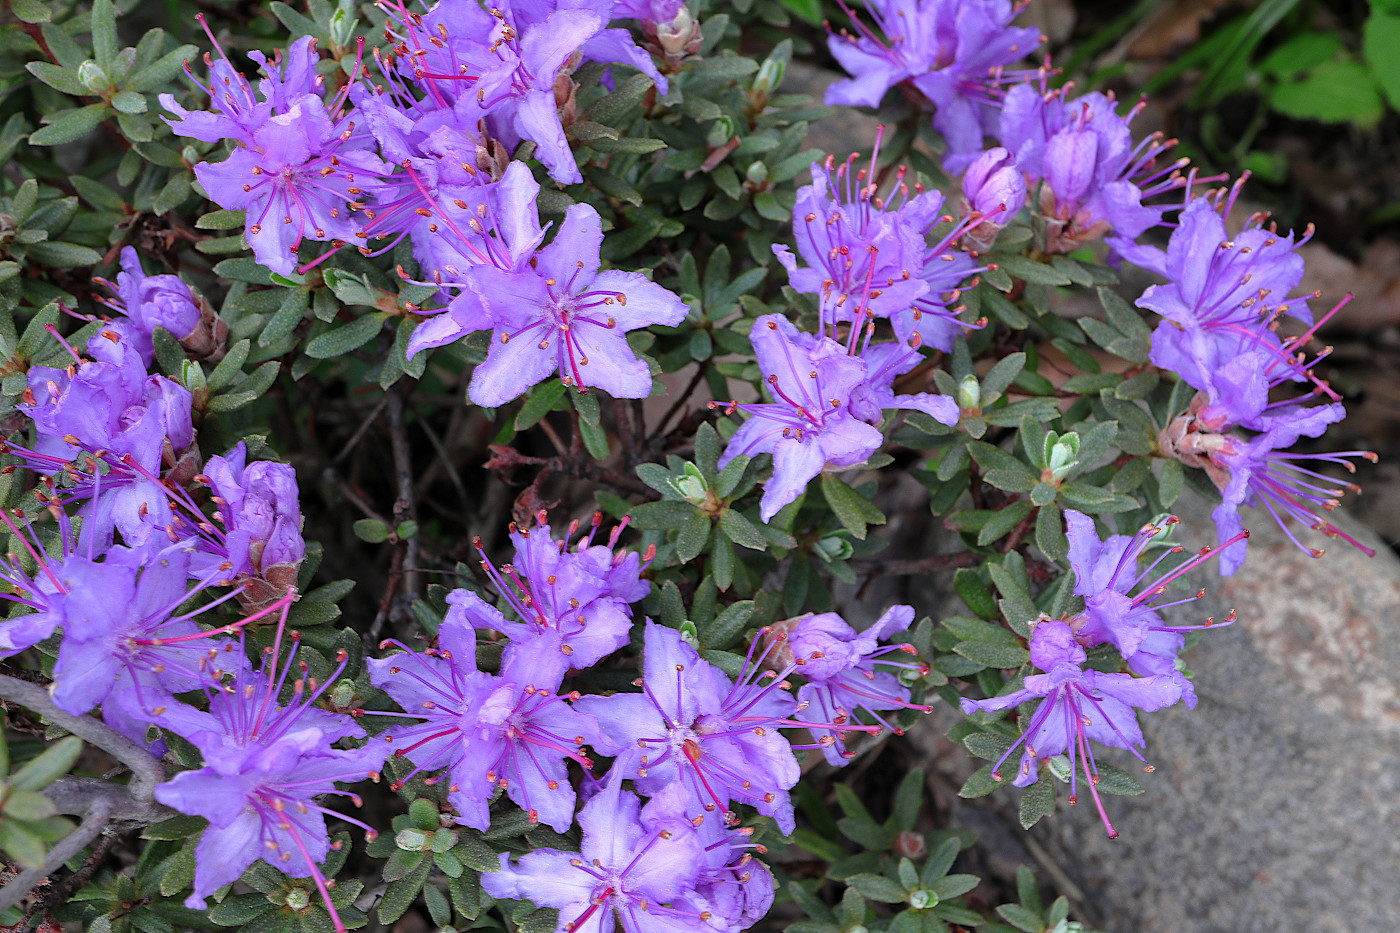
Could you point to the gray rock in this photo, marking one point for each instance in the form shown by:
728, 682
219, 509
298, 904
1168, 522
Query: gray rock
1273, 803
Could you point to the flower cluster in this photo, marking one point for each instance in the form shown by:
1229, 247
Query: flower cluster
950, 52
1077, 703
692, 741
1221, 311
463, 85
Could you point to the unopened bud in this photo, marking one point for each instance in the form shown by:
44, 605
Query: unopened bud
923, 899
970, 395
93, 77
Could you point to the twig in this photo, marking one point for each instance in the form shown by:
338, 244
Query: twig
360, 431
405, 508
146, 771
71, 844
681, 399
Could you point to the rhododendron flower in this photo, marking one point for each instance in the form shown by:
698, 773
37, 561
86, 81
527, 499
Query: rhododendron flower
624, 866
840, 667
1106, 573
512, 731
692, 725
1077, 705
558, 314
951, 51
266, 765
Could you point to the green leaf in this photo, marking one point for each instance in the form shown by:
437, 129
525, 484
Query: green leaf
695, 533
161, 70
626, 145
70, 126
104, 32
1038, 800
1380, 46
540, 402
401, 894
54, 762
980, 784
1170, 482
974, 593
371, 530
63, 255
1032, 272
21, 844
1003, 521
60, 79
741, 531
809, 11
725, 628
1340, 91
999, 656
221, 220
851, 509
878, 888
1028, 921
343, 340
31, 11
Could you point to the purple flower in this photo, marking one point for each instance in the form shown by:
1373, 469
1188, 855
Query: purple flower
994, 189
140, 424
692, 725
515, 60
265, 766
1095, 178
295, 161
124, 646
1223, 293
870, 257
827, 401
1107, 572
839, 666
572, 607
259, 508
559, 314
733, 890
151, 301
513, 731
951, 51
1076, 705
42, 591
629, 864
1258, 470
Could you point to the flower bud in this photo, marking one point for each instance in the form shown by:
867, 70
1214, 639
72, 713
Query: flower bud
1061, 455
93, 77
994, 188
923, 899
413, 840
298, 899
970, 395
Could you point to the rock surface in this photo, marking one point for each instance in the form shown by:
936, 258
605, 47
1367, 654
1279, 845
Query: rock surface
1274, 802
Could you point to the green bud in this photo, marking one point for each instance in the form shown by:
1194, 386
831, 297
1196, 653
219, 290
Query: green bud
192, 378
721, 132
970, 394
923, 899
343, 693
298, 898
835, 547
412, 840
343, 23
757, 173
1061, 454
690, 634
93, 77
691, 485
769, 77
